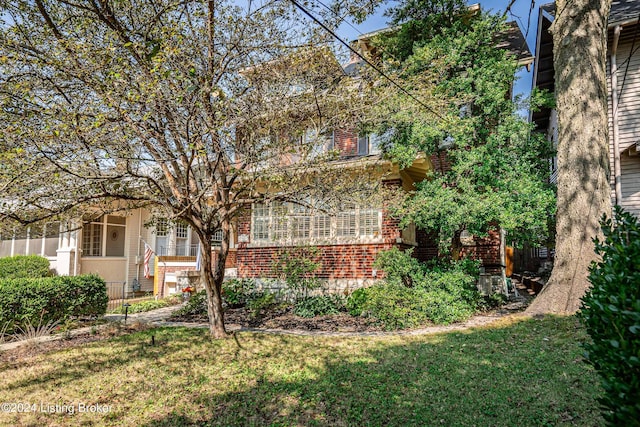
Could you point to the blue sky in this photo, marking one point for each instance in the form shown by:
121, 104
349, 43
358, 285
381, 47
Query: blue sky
520, 14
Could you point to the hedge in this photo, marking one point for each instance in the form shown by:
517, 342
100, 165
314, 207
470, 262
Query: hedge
23, 266
611, 313
50, 299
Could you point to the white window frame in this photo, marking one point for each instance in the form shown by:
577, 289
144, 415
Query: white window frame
278, 234
104, 223
372, 143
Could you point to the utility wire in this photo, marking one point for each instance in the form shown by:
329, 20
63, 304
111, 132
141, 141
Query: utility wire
354, 28
393, 82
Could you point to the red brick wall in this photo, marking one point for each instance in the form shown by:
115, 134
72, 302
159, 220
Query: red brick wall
440, 162
337, 261
427, 245
346, 142
486, 248
232, 259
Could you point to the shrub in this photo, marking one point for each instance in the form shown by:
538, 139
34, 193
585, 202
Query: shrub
415, 293
356, 301
296, 267
236, 292
259, 302
611, 313
51, 299
24, 266
148, 305
196, 305
319, 305
400, 267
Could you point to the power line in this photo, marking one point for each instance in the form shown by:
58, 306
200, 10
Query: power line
348, 46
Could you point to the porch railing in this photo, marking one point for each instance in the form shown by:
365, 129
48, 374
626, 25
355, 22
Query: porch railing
117, 292
179, 250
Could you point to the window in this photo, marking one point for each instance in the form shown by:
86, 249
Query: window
346, 222
369, 144
369, 222
293, 222
162, 227
182, 230
363, 145
104, 236
92, 239
182, 235
260, 221
300, 222
321, 225
319, 142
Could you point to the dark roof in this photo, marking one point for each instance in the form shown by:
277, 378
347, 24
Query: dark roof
513, 40
621, 10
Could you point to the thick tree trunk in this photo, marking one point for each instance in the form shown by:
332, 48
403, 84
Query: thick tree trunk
212, 279
580, 45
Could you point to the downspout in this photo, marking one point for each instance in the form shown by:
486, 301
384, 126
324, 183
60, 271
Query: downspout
614, 119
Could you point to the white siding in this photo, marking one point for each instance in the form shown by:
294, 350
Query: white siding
628, 123
134, 249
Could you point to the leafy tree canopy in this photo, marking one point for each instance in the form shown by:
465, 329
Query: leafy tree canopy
493, 169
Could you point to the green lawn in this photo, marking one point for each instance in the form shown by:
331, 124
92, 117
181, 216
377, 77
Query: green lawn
514, 373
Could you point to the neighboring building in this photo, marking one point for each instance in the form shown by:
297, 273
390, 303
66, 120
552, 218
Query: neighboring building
623, 84
111, 246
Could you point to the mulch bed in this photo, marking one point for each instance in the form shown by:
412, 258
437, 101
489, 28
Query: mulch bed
285, 319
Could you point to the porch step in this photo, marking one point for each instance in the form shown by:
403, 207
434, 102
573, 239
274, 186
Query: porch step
529, 283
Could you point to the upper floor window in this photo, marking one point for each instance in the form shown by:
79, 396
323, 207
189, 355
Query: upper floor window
369, 144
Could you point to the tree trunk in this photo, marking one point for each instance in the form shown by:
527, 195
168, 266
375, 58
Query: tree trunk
580, 46
212, 279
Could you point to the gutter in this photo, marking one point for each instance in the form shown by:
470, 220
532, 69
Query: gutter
623, 23
614, 105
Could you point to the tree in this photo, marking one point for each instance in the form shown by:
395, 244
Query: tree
493, 172
580, 47
193, 109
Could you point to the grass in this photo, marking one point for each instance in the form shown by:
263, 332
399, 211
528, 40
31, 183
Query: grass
516, 372
148, 305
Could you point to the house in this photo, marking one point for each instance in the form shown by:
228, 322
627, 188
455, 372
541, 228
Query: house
111, 246
623, 85
349, 238
348, 233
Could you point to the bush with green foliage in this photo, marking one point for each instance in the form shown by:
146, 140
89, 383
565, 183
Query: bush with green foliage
24, 266
296, 267
237, 292
415, 293
196, 305
611, 314
319, 305
50, 299
148, 305
356, 301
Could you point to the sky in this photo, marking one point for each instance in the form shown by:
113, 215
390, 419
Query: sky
519, 13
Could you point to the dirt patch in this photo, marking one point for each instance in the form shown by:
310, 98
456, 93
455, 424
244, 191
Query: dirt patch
34, 348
